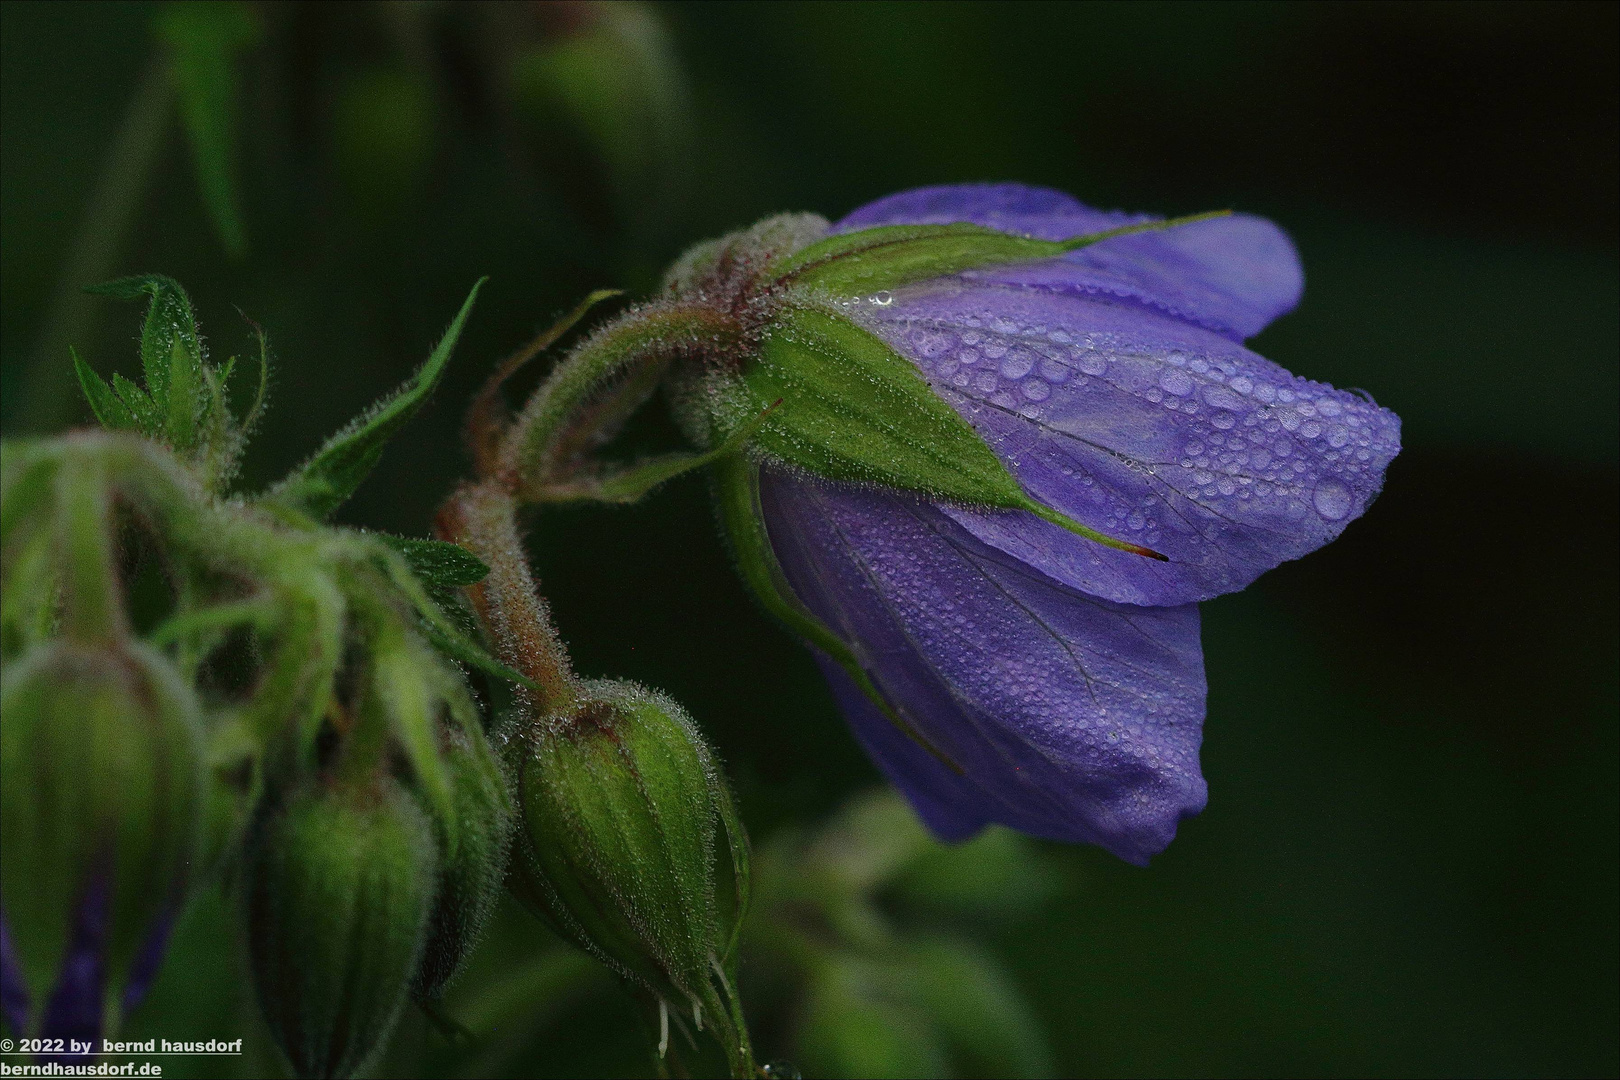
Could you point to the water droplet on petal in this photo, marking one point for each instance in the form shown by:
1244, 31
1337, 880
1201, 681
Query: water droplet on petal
1331, 499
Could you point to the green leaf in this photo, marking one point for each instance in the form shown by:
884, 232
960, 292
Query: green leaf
890, 256
457, 646
203, 42
438, 563
630, 484
855, 410
140, 405
168, 320
113, 414
321, 484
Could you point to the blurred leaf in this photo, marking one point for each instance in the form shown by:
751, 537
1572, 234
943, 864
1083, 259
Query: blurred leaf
875, 836
383, 135
998, 875
203, 40
111, 412
617, 81
972, 1001
321, 484
859, 1020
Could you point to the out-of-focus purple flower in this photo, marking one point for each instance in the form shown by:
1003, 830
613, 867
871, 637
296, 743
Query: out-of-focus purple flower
1058, 683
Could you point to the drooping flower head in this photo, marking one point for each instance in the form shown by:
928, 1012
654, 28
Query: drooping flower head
1014, 442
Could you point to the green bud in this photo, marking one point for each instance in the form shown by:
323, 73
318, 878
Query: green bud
473, 856
100, 778
630, 846
339, 887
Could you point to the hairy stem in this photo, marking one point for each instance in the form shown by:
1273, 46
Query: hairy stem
482, 517
564, 415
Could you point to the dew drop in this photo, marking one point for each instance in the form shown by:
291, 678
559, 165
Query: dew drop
1017, 364
1331, 499
1175, 381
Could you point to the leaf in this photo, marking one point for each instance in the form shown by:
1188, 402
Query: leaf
139, 403
203, 41
321, 484
857, 411
972, 1001
113, 414
439, 563
889, 256
630, 484
168, 321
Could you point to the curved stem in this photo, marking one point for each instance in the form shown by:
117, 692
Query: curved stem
567, 413
483, 518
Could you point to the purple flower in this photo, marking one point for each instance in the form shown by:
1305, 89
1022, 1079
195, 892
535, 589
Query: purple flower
1058, 682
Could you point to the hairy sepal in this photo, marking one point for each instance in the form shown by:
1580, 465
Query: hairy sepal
889, 256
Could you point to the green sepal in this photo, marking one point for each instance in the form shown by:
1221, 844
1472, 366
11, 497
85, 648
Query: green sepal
321, 484
890, 256
112, 413
203, 41
628, 485
737, 488
855, 410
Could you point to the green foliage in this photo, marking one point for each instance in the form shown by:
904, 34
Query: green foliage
859, 925
439, 565
473, 846
203, 41
321, 484
184, 399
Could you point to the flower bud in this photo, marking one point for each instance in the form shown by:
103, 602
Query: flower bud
621, 807
472, 860
339, 887
100, 805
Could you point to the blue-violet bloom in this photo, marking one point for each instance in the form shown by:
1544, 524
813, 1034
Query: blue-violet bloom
1041, 679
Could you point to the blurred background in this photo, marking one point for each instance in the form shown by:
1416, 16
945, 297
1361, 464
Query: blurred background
1409, 860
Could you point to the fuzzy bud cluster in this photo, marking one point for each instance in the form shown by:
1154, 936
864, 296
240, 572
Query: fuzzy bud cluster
285, 717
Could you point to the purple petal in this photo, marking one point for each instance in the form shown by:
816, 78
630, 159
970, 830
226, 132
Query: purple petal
1069, 717
1014, 208
1232, 275
13, 991
149, 960
74, 1010
1145, 428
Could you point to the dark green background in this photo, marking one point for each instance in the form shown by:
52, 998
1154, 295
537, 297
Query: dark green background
1409, 860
